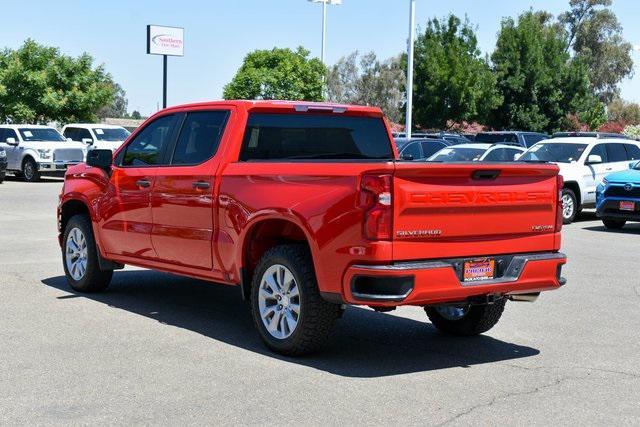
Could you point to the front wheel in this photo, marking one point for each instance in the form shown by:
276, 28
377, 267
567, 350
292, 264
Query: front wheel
80, 257
465, 320
30, 171
288, 311
570, 206
614, 224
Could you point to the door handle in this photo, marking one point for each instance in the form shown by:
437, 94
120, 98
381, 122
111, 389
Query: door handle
144, 183
609, 169
201, 185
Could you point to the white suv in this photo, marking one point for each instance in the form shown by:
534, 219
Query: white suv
35, 150
584, 162
96, 136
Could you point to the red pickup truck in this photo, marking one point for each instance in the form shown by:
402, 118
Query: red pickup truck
306, 208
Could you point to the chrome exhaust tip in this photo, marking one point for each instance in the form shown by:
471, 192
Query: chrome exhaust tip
525, 297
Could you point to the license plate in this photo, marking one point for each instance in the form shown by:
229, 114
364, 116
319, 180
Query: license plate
627, 206
480, 269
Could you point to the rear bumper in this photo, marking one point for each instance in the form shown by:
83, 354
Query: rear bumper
438, 281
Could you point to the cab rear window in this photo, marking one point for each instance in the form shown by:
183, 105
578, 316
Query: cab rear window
309, 136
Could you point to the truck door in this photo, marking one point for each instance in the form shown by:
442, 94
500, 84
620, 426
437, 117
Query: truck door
125, 224
183, 196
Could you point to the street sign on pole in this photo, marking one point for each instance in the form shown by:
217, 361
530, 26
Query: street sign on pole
165, 41
412, 30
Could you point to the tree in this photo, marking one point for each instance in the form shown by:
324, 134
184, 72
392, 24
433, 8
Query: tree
622, 111
453, 83
596, 36
367, 81
278, 74
541, 85
39, 84
118, 107
136, 115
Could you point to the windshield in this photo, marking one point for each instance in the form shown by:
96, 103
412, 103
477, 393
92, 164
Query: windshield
554, 152
457, 154
40, 134
492, 138
111, 134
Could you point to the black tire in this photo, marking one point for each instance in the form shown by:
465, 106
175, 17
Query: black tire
567, 192
317, 316
477, 320
613, 224
94, 279
2, 177
30, 171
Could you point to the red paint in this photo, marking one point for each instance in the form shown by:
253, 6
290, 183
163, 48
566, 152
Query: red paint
437, 211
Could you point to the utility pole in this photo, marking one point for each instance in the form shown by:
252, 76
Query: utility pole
409, 104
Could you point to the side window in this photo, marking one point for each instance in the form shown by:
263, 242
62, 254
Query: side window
71, 133
616, 153
532, 139
3, 136
147, 147
7, 133
511, 154
83, 133
431, 148
599, 150
199, 137
413, 150
633, 151
496, 155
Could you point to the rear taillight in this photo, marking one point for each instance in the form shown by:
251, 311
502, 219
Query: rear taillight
375, 200
559, 219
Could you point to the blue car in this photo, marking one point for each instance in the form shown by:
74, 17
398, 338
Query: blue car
618, 197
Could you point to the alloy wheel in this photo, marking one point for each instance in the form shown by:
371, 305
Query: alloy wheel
76, 254
279, 301
567, 206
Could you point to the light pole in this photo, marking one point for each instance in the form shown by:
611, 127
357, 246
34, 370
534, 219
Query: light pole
324, 21
412, 31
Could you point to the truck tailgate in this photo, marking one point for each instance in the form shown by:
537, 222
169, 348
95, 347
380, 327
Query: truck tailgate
469, 209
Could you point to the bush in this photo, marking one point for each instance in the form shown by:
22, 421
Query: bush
632, 131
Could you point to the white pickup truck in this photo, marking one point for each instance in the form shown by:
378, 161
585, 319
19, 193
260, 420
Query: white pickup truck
96, 136
584, 162
35, 150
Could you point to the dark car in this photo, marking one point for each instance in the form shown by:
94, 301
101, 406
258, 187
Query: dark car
3, 164
420, 148
524, 139
453, 138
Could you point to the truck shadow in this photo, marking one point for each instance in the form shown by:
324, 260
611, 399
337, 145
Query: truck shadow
629, 228
365, 343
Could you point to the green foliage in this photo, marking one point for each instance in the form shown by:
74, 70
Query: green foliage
278, 74
632, 131
118, 106
367, 81
452, 80
39, 84
136, 115
596, 37
623, 111
540, 83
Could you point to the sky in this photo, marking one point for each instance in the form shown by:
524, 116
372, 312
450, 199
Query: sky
219, 33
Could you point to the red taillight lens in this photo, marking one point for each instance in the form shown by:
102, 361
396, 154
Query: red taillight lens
375, 200
559, 219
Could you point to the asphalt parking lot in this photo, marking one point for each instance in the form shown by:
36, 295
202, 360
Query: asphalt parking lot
160, 349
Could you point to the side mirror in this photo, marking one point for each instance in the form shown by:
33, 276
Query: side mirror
69, 140
406, 157
87, 141
594, 159
12, 141
102, 159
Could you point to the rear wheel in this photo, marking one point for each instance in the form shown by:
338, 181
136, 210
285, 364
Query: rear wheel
2, 177
30, 171
570, 206
614, 224
80, 257
465, 320
288, 311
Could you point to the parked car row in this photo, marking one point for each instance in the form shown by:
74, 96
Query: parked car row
32, 151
